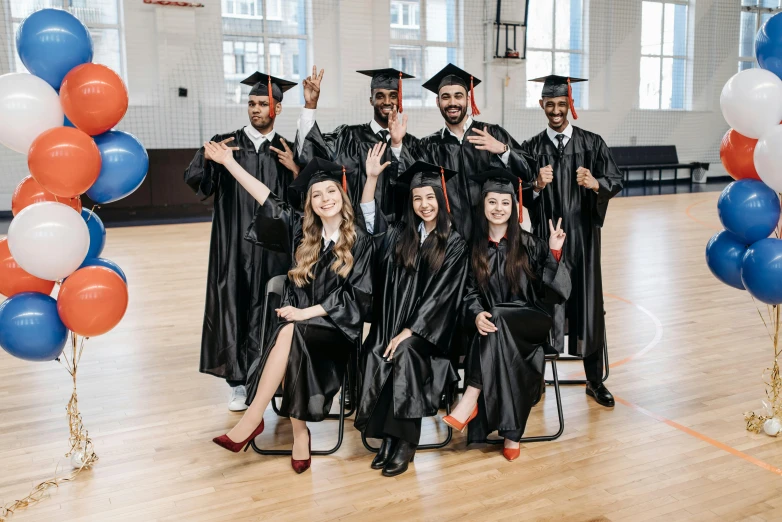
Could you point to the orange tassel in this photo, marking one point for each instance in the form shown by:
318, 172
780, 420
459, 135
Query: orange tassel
399, 96
521, 207
445, 190
344, 180
570, 99
272, 113
473, 107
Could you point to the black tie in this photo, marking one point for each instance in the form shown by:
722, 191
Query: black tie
561, 146
383, 134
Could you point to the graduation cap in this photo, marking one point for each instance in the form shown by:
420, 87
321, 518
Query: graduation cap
501, 181
262, 84
555, 86
452, 75
318, 170
423, 174
388, 78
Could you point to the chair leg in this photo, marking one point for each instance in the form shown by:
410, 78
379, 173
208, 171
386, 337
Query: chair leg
606, 365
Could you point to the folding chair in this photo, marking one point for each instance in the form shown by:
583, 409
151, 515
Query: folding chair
581, 358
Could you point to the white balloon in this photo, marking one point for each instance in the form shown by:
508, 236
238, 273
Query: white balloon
49, 240
772, 427
768, 158
28, 107
751, 102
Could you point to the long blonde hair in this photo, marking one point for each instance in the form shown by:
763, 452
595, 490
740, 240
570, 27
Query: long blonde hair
308, 252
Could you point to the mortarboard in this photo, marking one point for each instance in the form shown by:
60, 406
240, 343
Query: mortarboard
318, 170
262, 84
388, 78
423, 174
555, 86
452, 75
501, 181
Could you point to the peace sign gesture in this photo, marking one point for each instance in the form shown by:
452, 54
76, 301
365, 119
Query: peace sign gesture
556, 236
207, 154
285, 157
312, 88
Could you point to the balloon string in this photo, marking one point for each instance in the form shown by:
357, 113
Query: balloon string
773, 383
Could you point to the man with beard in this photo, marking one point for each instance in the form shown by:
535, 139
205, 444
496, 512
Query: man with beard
576, 177
238, 270
486, 145
349, 145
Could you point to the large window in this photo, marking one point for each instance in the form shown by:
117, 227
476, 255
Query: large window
263, 35
556, 45
754, 14
664, 48
424, 39
102, 18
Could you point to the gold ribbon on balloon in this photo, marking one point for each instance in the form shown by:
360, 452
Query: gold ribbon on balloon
81, 453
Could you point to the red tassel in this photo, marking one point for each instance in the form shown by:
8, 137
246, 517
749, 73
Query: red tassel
344, 180
570, 99
473, 107
521, 207
399, 96
272, 114
445, 190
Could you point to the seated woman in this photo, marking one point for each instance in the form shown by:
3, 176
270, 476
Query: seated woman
420, 271
515, 279
326, 301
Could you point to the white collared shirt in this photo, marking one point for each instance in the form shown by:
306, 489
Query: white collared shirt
422, 232
467, 122
256, 137
552, 135
328, 240
307, 121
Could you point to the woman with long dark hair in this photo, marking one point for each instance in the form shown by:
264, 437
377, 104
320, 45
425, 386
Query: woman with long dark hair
326, 301
420, 273
515, 280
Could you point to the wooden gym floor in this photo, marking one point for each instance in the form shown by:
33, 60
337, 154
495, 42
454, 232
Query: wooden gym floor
687, 354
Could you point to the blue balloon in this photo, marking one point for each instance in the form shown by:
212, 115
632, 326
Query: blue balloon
97, 232
124, 166
761, 270
67, 123
30, 327
749, 209
51, 42
768, 45
724, 254
100, 261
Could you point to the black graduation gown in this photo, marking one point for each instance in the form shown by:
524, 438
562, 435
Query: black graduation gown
238, 271
443, 149
427, 303
321, 346
349, 145
510, 362
583, 212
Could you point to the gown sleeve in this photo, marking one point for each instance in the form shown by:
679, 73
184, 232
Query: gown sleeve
202, 175
517, 163
554, 275
435, 314
471, 303
276, 226
319, 145
350, 305
608, 176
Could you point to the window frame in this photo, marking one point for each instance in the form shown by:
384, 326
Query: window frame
759, 12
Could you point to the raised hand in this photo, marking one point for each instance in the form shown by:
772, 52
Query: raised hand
312, 88
585, 179
219, 152
206, 152
545, 176
556, 237
484, 326
374, 157
397, 128
286, 157
485, 141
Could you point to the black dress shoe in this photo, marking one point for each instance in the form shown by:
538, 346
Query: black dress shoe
600, 393
385, 452
403, 455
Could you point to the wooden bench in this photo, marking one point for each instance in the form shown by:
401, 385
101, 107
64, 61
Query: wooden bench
651, 158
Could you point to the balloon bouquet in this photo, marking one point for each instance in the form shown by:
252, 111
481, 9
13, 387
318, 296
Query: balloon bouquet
743, 255
61, 116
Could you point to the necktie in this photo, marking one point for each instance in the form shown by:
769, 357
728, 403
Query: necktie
383, 134
561, 146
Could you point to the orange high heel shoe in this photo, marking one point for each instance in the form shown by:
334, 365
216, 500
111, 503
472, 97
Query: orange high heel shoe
459, 426
230, 445
511, 454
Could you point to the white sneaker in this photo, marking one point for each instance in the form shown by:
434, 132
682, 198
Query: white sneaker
238, 398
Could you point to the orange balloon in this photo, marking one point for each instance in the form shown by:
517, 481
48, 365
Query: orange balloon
29, 191
65, 161
92, 300
14, 280
94, 98
737, 154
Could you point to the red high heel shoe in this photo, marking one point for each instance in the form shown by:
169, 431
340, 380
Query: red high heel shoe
300, 466
460, 426
230, 445
511, 454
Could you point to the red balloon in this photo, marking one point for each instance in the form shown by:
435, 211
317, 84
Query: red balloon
737, 155
94, 98
92, 300
65, 161
29, 191
14, 280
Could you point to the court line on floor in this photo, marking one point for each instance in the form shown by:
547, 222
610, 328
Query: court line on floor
689, 215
